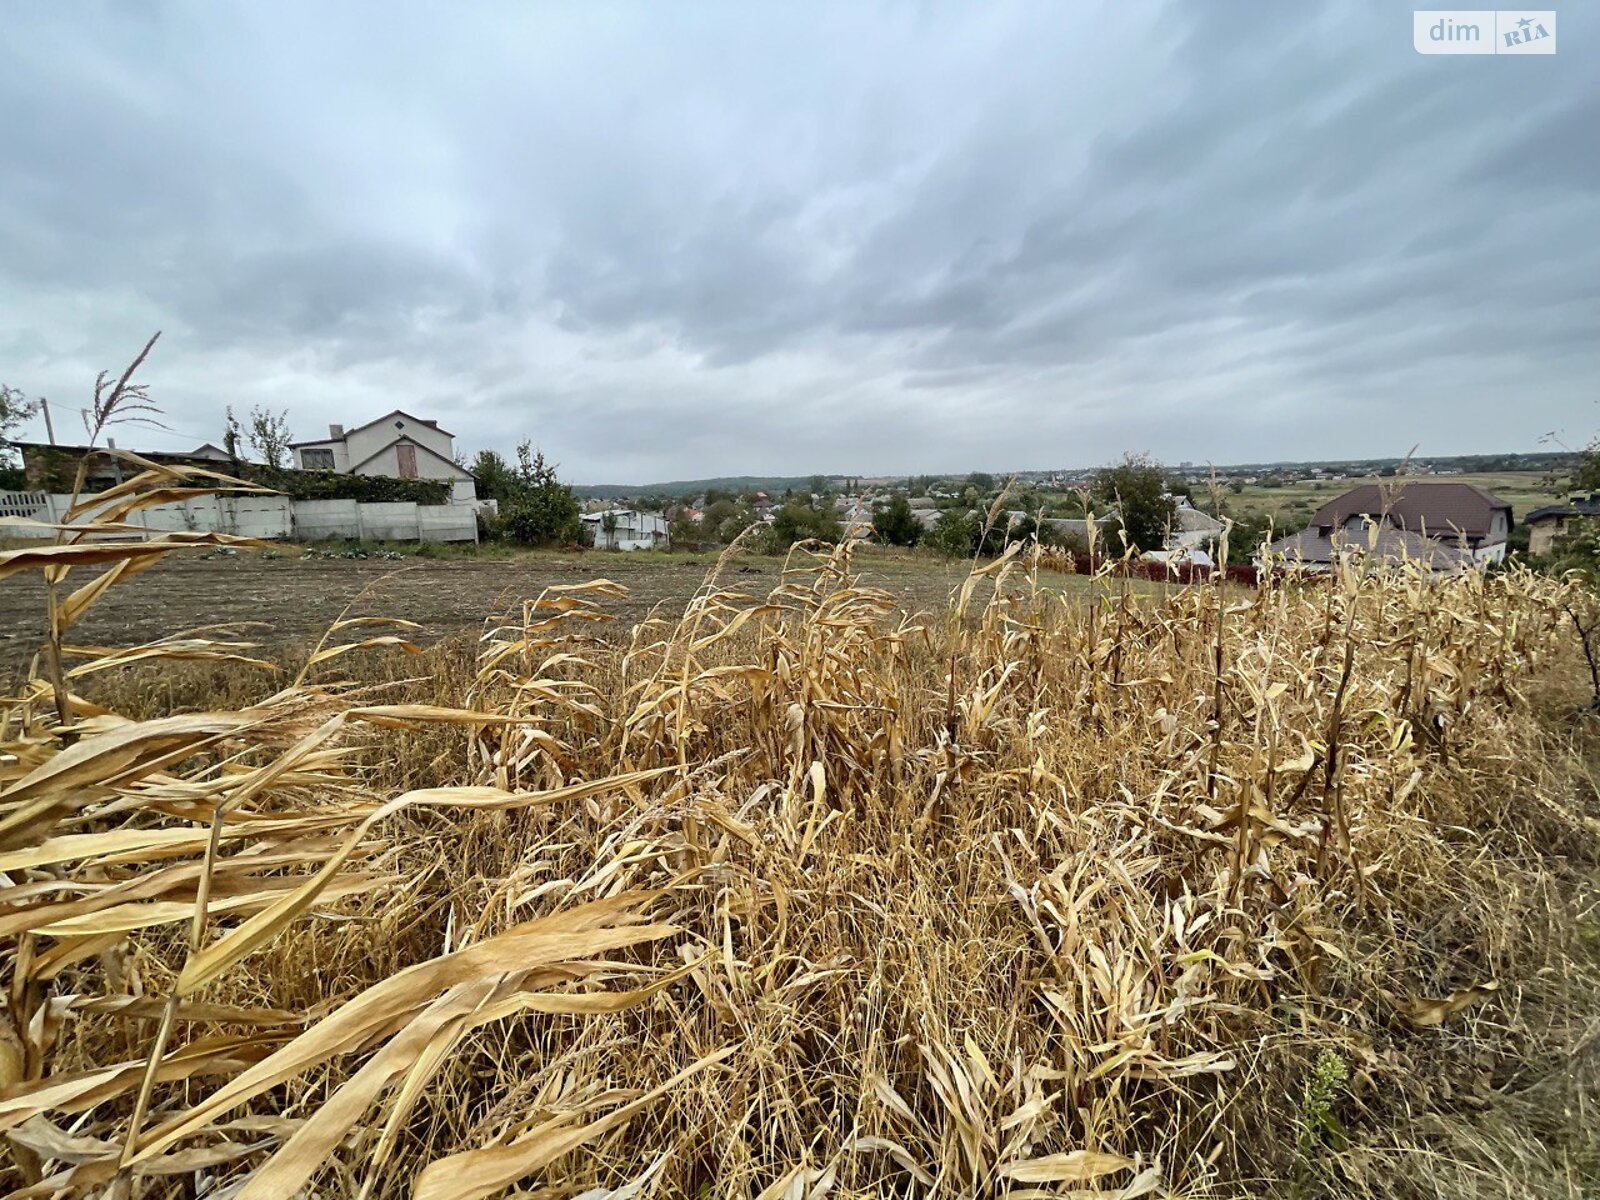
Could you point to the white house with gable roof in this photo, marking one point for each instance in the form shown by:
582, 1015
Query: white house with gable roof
397, 444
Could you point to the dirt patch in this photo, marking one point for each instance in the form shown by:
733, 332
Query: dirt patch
298, 598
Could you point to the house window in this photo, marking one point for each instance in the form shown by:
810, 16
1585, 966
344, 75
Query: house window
316, 460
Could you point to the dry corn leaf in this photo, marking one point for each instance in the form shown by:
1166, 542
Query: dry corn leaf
479, 1173
591, 929
260, 929
1076, 1166
1434, 1012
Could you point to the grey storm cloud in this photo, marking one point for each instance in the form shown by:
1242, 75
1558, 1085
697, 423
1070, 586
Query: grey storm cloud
676, 240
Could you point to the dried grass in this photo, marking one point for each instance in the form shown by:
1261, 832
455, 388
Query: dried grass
1285, 890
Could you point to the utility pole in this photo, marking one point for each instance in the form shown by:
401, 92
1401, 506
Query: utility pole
49, 426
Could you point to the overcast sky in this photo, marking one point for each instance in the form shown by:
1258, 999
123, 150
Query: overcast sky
676, 240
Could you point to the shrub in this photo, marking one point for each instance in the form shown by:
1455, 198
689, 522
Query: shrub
801, 519
371, 489
535, 507
541, 517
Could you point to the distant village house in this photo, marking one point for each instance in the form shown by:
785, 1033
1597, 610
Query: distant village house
626, 529
1546, 524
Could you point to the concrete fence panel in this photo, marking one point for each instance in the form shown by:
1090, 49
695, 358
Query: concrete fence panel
447, 523
270, 517
315, 520
30, 505
389, 521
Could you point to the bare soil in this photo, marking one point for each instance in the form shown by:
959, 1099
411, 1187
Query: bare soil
295, 599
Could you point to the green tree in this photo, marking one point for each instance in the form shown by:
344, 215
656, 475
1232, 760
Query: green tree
955, 534
1248, 532
541, 510
800, 519
1585, 475
269, 437
681, 529
982, 481
1137, 488
494, 478
895, 524
15, 410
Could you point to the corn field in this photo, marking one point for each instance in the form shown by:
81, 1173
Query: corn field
1283, 891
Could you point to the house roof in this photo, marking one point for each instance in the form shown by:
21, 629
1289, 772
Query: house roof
1578, 506
393, 412
1434, 508
625, 516
206, 452
1192, 520
1383, 542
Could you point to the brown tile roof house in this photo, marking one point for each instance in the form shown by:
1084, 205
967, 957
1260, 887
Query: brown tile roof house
1311, 549
1456, 512
1445, 527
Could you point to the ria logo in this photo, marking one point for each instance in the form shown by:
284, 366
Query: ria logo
1529, 30
1484, 31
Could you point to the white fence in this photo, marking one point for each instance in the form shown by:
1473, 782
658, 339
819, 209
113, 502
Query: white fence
23, 504
272, 517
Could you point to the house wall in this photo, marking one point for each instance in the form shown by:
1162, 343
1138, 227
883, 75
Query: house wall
637, 531
364, 443
1542, 534
341, 458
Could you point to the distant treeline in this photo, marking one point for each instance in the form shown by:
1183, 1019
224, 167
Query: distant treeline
737, 484
1467, 464
776, 485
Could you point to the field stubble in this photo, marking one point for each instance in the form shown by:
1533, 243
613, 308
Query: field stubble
1215, 891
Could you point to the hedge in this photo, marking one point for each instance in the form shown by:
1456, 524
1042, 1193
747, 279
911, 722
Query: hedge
330, 485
